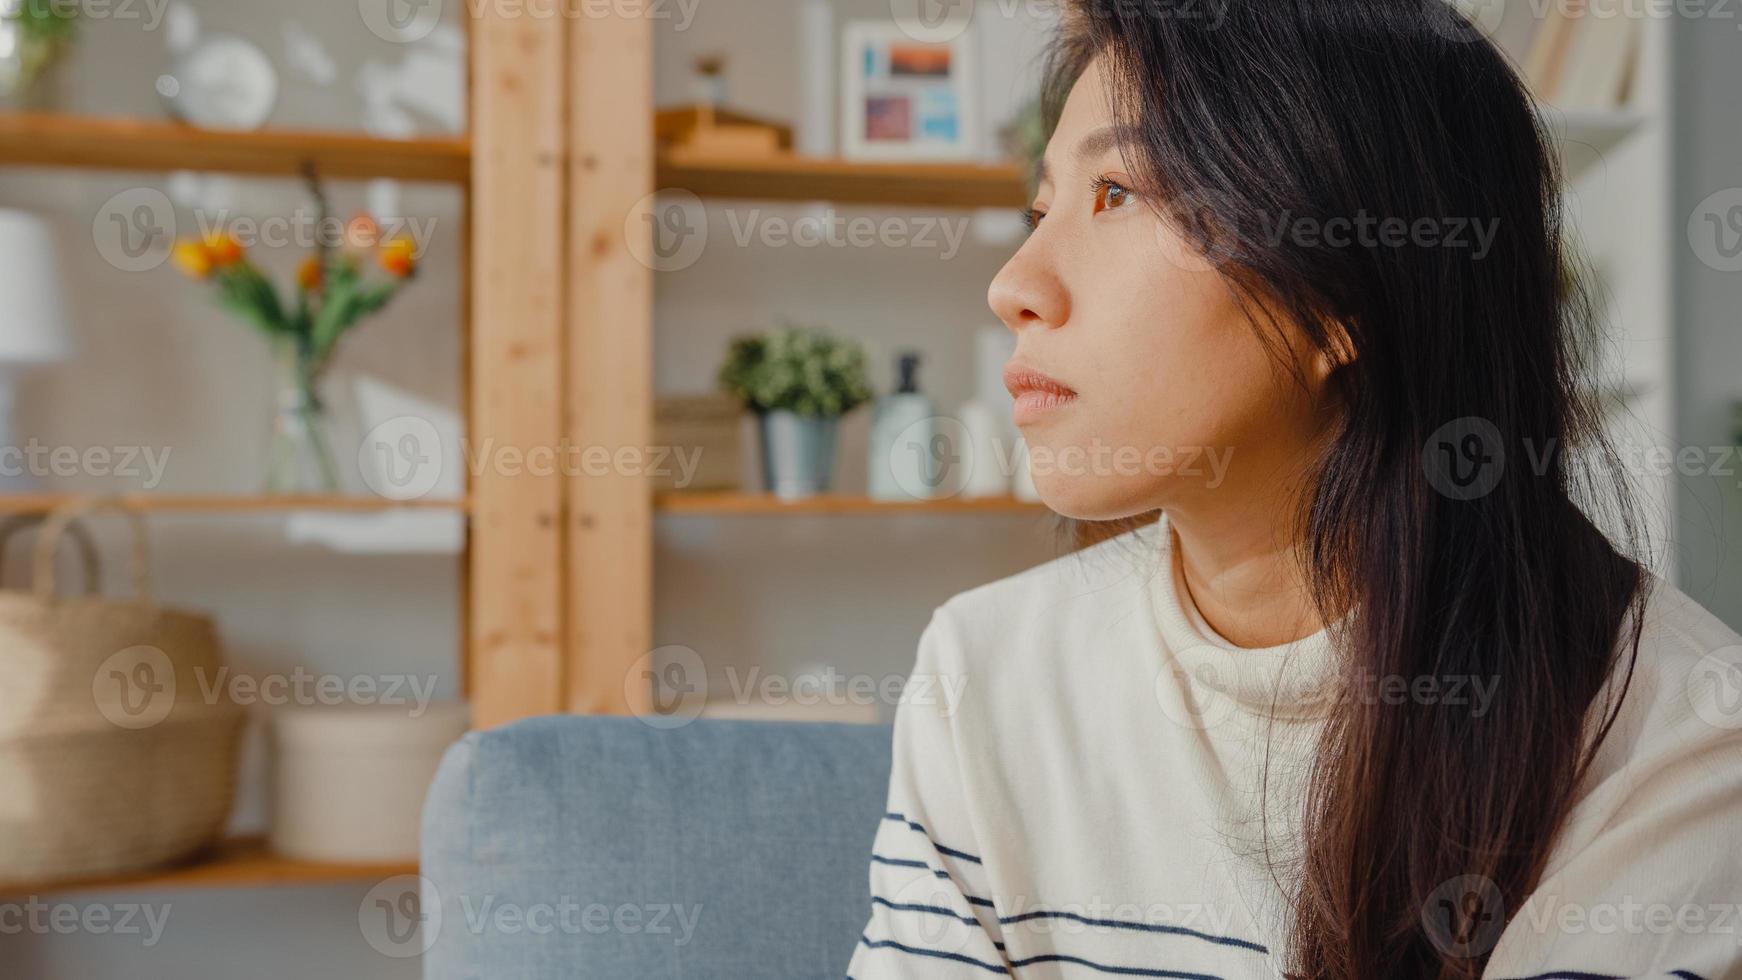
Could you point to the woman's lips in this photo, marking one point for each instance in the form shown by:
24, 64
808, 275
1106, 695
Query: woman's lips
1036, 394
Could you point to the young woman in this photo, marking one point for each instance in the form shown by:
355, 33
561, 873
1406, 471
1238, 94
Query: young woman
1372, 696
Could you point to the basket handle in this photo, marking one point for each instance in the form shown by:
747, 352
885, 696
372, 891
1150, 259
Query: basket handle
81, 537
48, 540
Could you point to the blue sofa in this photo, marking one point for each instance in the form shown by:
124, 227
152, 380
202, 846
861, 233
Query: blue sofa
576, 846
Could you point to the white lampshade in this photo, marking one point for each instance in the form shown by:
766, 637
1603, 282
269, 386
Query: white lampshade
33, 316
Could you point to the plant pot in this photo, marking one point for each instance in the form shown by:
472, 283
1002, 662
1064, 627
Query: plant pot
798, 453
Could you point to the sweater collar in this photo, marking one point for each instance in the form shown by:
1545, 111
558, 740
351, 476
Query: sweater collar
1291, 681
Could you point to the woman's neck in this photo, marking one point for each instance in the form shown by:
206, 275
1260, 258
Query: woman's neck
1243, 573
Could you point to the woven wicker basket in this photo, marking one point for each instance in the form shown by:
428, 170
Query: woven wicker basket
117, 743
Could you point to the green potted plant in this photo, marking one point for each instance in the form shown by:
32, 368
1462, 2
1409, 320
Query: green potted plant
799, 382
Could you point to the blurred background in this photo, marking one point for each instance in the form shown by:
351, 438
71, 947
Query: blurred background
358, 310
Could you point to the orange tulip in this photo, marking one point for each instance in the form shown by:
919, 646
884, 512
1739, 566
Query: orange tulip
398, 258
193, 258
223, 249
309, 274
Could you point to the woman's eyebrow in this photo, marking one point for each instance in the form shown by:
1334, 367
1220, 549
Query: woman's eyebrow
1090, 146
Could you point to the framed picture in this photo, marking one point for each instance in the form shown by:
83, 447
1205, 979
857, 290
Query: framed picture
903, 99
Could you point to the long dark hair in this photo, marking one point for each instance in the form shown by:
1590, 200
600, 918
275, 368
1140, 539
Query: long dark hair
1456, 510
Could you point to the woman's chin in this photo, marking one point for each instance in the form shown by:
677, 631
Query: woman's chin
1087, 498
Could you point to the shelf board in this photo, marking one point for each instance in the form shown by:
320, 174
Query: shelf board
763, 504
35, 503
240, 862
109, 143
797, 178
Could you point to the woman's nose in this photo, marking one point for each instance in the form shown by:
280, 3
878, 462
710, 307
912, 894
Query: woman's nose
1027, 291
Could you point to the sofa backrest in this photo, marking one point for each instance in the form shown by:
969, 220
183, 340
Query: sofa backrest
581, 847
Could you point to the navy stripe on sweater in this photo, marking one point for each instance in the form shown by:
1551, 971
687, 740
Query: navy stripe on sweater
952, 852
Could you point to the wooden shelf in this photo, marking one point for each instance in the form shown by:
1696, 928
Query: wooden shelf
762, 504
795, 178
241, 862
107, 143
33, 503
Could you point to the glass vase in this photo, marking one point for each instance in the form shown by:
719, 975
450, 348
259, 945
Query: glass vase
299, 459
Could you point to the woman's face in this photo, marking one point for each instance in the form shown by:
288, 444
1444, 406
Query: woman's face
1165, 395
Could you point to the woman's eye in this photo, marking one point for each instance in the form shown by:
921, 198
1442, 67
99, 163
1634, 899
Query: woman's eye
1110, 194
1031, 217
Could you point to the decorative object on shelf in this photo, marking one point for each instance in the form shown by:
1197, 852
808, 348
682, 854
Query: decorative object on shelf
424, 92
817, 45
905, 460
705, 131
988, 429
113, 757
903, 99
217, 82
702, 429
332, 295
33, 330
34, 37
799, 382
348, 781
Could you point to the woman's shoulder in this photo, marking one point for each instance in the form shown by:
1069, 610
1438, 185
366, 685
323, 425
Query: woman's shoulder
1682, 692
1074, 598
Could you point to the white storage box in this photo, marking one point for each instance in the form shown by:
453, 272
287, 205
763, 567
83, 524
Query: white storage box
348, 781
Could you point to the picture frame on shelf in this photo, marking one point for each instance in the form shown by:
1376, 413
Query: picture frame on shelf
903, 99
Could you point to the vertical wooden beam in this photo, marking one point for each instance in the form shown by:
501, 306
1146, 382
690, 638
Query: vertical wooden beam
609, 396
515, 574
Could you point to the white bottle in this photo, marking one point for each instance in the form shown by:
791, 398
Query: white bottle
984, 456
904, 462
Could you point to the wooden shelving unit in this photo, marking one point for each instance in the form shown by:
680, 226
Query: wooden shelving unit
154, 503
768, 505
107, 143
794, 178
237, 862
